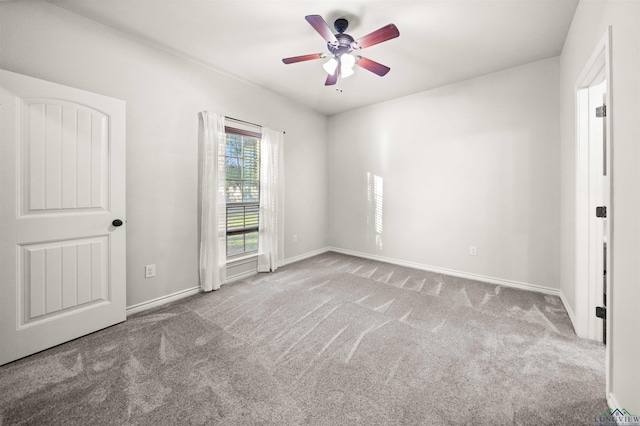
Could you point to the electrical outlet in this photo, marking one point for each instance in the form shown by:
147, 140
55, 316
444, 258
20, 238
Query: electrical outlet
149, 271
473, 251
295, 238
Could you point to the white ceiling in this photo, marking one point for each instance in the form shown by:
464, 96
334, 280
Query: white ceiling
440, 42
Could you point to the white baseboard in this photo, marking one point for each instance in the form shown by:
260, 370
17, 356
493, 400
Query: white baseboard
162, 300
467, 275
567, 308
612, 402
306, 255
507, 283
159, 301
286, 262
240, 276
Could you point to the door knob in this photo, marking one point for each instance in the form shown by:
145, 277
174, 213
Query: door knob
117, 222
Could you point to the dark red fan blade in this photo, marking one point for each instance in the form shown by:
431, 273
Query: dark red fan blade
333, 79
302, 58
319, 24
383, 34
373, 66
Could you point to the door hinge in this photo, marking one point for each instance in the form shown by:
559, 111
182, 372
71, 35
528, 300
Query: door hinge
601, 312
601, 111
601, 211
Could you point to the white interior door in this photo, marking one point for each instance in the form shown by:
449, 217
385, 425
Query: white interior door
62, 186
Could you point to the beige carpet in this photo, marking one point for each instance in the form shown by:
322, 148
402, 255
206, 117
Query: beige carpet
330, 340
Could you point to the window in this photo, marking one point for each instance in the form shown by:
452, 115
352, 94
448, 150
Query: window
242, 190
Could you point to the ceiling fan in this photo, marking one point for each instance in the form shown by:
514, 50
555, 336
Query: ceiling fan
342, 45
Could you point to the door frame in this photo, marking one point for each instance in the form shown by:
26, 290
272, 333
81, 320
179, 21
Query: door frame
598, 63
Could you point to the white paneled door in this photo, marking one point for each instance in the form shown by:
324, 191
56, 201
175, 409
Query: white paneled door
62, 214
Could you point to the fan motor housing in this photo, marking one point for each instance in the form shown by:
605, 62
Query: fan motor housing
344, 46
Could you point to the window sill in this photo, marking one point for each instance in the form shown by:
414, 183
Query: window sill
240, 260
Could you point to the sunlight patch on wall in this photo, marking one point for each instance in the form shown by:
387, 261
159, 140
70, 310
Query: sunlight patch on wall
375, 198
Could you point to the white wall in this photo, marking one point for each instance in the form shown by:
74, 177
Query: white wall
472, 163
589, 25
164, 94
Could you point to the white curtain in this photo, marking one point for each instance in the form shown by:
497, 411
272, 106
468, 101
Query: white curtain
271, 233
212, 201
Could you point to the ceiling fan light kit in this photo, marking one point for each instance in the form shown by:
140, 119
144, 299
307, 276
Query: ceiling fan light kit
330, 66
341, 46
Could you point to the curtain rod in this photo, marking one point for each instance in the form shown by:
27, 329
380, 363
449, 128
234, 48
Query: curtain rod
246, 122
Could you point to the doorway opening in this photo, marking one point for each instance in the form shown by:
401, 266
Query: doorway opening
593, 199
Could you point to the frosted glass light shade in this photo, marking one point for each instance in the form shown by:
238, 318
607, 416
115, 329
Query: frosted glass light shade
330, 66
348, 61
346, 72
